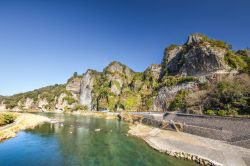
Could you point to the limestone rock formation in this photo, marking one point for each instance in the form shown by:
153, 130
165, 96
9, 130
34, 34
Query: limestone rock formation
119, 72
2, 106
29, 103
167, 94
194, 39
86, 87
186, 71
197, 57
74, 85
153, 71
61, 103
42, 103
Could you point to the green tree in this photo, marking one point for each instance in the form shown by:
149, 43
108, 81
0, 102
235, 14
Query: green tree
75, 74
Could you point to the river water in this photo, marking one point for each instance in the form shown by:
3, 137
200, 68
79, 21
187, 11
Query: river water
75, 141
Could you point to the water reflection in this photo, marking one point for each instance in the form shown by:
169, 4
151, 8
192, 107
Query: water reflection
74, 141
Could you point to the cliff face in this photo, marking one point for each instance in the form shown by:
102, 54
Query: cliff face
86, 88
196, 57
74, 85
193, 69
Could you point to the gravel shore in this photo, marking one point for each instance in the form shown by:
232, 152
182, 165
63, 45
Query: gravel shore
23, 121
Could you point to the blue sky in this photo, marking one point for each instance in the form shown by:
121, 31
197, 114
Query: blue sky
42, 42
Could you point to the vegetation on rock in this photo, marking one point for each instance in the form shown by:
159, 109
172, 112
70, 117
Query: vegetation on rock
229, 97
70, 100
174, 80
179, 102
167, 86
49, 93
217, 43
239, 62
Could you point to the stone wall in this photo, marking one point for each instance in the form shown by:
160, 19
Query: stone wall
151, 122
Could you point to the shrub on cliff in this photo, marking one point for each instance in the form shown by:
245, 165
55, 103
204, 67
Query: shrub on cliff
179, 102
79, 107
216, 43
174, 80
222, 112
10, 103
238, 61
50, 93
70, 100
232, 96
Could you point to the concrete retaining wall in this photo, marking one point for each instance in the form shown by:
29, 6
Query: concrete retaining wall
233, 130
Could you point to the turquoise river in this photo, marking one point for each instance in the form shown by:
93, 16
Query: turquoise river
75, 142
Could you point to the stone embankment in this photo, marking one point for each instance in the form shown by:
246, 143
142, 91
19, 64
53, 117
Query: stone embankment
202, 150
233, 130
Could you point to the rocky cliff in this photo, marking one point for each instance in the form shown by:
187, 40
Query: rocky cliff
198, 56
86, 88
202, 69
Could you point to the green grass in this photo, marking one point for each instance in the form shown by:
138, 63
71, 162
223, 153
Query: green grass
235, 61
217, 43
174, 80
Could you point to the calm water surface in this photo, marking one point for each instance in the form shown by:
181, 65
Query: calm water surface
75, 142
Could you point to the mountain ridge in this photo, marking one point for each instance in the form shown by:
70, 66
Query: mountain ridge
185, 70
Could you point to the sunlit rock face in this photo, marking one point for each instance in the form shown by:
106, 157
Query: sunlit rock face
2, 106
194, 39
61, 103
120, 72
86, 88
167, 94
29, 103
172, 59
42, 103
153, 71
118, 75
74, 85
197, 57
201, 60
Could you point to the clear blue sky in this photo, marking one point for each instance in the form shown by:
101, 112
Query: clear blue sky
42, 42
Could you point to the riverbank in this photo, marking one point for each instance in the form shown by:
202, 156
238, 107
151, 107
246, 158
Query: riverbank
202, 150
22, 122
